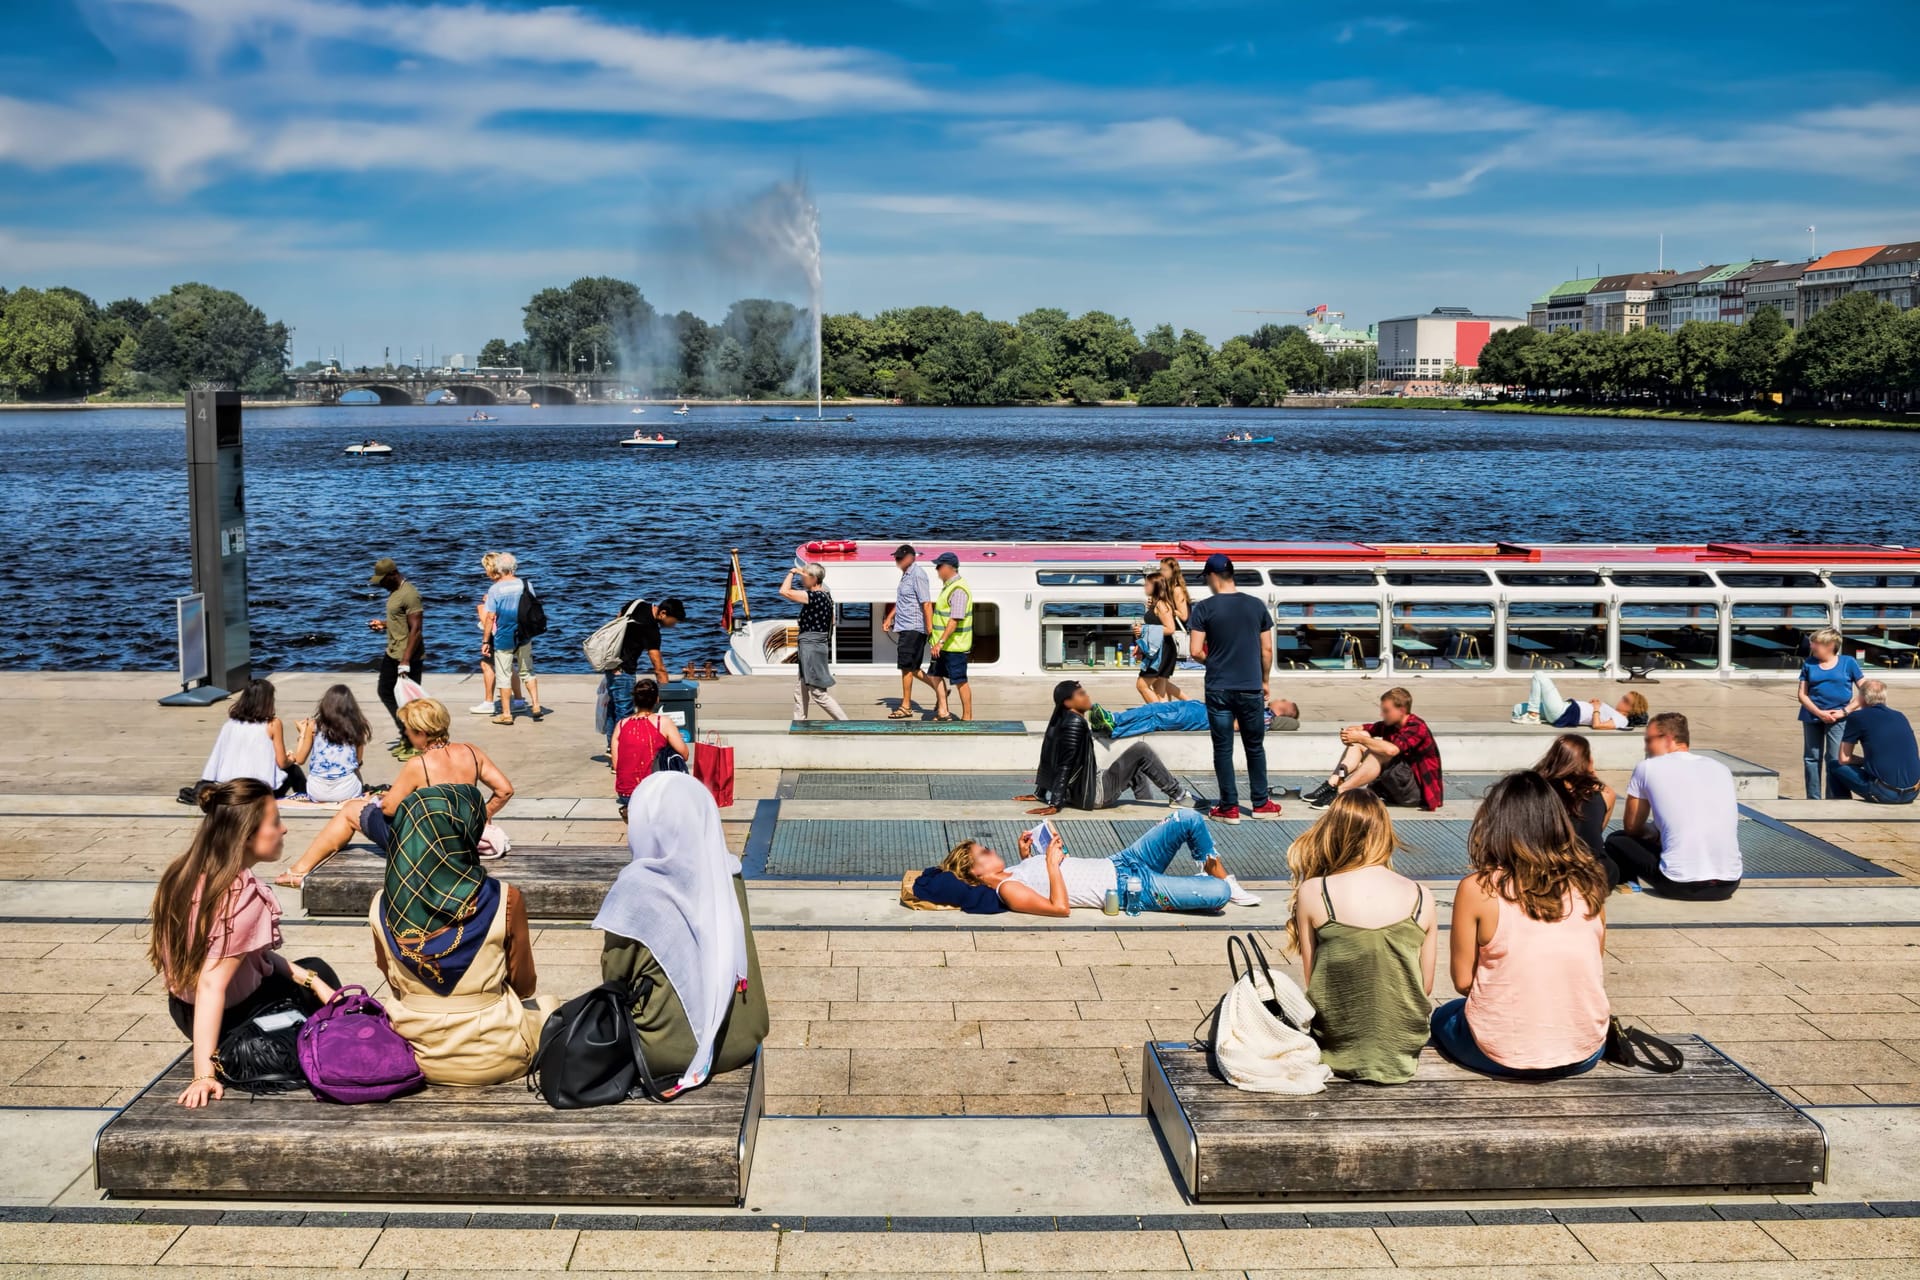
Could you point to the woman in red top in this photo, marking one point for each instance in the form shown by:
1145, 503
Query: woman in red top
216, 928
639, 739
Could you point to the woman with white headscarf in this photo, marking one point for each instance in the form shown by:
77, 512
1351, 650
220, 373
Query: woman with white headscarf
677, 915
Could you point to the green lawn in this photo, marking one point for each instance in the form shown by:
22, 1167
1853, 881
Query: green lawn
1756, 417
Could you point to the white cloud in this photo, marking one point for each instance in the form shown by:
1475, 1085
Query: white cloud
1157, 144
332, 146
171, 138
1428, 114
1064, 216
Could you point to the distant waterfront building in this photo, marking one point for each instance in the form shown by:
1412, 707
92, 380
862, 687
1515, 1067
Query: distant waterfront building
1832, 277
1778, 287
1731, 283
1893, 275
1332, 337
1426, 346
1618, 304
1673, 299
1562, 307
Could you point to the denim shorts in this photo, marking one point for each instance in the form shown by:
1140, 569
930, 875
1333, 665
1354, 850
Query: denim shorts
949, 666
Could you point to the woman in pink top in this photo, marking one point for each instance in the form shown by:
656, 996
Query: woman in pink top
216, 928
1529, 931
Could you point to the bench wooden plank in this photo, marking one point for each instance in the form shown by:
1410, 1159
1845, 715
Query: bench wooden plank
499, 1143
559, 882
1448, 1131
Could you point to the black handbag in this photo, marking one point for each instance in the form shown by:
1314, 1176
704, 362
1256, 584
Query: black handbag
590, 1054
262, 1061
1638, 1050
533, 617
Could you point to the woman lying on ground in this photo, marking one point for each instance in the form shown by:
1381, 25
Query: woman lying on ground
216, 929
1529, 935
1053, 884
1546, 705
1568, 766
330, 747
253, 745
440, 763
1366, 937
452, 943
678, 935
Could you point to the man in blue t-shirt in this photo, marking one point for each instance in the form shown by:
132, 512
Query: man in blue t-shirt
1891, 772
512, 656
1233, 636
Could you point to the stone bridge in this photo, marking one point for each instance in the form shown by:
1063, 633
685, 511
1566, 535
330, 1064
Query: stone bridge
404, 386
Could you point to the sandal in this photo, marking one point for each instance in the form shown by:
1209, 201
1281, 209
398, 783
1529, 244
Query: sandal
503, 719
948, 718
902, 713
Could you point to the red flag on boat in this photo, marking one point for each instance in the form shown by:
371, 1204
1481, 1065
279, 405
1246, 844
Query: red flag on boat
736, 594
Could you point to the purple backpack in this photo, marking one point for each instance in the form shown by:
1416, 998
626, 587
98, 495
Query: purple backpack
351, 1053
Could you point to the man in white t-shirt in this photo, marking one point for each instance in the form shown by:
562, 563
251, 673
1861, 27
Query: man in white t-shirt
1680, 837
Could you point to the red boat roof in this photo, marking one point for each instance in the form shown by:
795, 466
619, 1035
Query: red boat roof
1755, 553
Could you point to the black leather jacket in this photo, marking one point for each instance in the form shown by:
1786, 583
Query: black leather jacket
1067, 777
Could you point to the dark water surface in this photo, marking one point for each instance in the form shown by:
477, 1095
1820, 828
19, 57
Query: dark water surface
93, 506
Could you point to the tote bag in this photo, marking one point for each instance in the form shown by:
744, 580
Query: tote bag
713, 766
1260, 1042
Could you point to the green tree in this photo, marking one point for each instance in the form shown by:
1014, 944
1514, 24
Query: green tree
1298, 361
595, 315
1085, 389
1163, 391
1758, 354
1097, 347
199, 335
1845, 350
1246, 375
773, 354
1503, 359
1703, 353
497, 353
1644, 363
43, 343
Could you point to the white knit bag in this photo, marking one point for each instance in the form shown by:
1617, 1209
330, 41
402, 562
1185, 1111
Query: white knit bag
1254, 1049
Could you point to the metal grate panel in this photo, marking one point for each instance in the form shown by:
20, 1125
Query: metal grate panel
828, 850
1084, 839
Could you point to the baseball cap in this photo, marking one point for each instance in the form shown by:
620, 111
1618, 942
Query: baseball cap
947, 558
381, 568
1220, 565
904, 549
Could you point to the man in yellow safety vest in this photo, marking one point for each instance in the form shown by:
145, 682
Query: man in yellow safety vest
953, 615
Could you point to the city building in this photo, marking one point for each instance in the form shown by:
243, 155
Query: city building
1332, 337
1731, 283
1777, 286
1673, 299
1893, 275
1830, 278
1562, 307
1618, 304
1442, 339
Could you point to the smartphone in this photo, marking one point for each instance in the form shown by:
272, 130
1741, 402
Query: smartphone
1042, 836
280, 1021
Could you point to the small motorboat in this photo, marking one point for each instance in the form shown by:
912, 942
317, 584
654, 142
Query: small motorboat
656, 441
370, 449
480, 417
636, 411
801, 417
682, 411
1249, 439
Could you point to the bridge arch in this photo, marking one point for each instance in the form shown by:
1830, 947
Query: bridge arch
548, 393
387, 394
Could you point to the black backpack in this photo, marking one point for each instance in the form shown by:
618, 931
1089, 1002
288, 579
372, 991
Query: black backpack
667, 760
533, 617
590, 1054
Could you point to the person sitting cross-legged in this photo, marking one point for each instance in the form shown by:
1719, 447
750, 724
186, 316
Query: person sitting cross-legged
1395, 758
1890, 773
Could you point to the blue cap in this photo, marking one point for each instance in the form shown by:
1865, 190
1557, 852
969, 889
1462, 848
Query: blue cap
1219, 565
947, 558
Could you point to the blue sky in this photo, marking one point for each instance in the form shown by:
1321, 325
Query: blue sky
381, 174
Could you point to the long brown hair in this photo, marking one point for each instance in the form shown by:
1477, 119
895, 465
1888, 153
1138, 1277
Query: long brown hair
1176, 582
1568, 765
1523, 848
1356, 831
234, 811
339, 719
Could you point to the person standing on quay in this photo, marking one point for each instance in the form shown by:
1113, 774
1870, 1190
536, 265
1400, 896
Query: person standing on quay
512, 655
640, 645
806, 586
909, 620
1233, 636
952, 647
405, 630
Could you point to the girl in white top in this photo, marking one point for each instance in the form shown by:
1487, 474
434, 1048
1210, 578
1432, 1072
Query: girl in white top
1054, 884
330, 745
250, 744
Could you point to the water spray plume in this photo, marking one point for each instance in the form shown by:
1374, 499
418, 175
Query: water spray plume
780, 229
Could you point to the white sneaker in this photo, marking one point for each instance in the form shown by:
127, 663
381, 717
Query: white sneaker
1240, 897
483, 709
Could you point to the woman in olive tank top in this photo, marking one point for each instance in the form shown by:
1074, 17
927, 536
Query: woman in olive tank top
1365, 937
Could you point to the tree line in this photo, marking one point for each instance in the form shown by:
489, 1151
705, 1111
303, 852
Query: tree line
1859, 351
59, 344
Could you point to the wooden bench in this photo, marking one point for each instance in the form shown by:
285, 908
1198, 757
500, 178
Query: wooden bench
495, 1145
1449, 1132
559, 882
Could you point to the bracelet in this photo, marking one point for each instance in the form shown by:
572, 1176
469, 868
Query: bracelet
307, 982
197, 1079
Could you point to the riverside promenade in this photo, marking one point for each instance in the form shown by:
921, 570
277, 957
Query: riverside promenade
945, 1094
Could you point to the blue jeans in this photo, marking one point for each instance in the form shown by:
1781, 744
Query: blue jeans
1160, 717
620, 691
1151, 855
1454, 1039
1820, 747
1223, 708
1856, 782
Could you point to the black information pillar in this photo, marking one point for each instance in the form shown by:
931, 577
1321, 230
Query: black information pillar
217, 507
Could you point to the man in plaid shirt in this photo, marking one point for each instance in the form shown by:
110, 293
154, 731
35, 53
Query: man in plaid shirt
1395, 757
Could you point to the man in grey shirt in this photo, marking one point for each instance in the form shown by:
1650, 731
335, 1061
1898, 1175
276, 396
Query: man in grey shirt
909, 620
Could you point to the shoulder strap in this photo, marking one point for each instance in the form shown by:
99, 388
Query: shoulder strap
423, 763
475, 757
1235, 961
1327, 898
1419, 902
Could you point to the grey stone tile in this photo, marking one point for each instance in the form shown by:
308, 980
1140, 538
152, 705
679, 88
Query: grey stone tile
1181, 1222
1767, 1211
25, 1213
715, 1222
179, 1217
846, 1224
1676, 1213
439, 1221
1596, 1213
1361, 1218
262, 1218
933, 1224
95, 1214
349, 1218
1512, 1217
1835, 1209
1430, 1218
512, 1221
1264, 1221
598, 1222
1898, 1208
1099, 1222
988, 1226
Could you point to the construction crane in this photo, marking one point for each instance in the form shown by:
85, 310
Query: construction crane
1319, 313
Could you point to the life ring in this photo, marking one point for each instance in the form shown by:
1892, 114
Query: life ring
833, 547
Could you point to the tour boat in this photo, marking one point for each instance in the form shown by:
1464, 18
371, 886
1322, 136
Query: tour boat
1399, 610
370, 449
638, 441
682, 411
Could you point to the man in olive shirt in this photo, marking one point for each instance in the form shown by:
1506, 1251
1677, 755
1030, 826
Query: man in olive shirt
405, 629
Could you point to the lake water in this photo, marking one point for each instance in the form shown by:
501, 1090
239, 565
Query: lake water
94, 505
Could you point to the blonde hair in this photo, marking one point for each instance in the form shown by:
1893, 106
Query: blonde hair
1636, 704
1356, 831
1398, 697
489, 563
959, 860
1827, 636
427, 717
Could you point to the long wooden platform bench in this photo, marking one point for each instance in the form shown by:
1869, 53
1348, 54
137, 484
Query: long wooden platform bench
559, 882
495, 1145
1450, 1133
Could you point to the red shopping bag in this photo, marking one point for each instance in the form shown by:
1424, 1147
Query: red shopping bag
713, 766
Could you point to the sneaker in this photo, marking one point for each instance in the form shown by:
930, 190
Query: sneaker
1321, 796
1101, 719
1267, 811
1180, 799
1227, 813
405, 752
1523, 714
1240, 897
483, 709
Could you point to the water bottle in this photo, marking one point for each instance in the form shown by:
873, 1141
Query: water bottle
1110, 905
1133, 895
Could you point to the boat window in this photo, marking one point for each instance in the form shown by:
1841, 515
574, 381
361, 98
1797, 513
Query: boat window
986, 634
1679, 636
853, 632
1089, 578
1096, 634
1815, 613
1620, 579
1241, 578
1874, 580
1326, 635
1881, 635
1434, 578
1450, 635
1339, 578
1550, 578
1772, 635
1771, 579
1556, 635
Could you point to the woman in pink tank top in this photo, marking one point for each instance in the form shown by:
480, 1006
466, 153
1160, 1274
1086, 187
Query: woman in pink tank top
1529, 933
